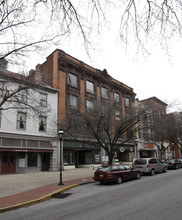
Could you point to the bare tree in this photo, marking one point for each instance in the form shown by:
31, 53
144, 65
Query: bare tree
104, 126
28, 25
18, 92
151, 19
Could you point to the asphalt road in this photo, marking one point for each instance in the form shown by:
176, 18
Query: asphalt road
156, 197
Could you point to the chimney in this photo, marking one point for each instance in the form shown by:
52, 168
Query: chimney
35, 75
38, 75
3, 65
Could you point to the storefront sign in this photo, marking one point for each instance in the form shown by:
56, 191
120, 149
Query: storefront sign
149, 146
122, 149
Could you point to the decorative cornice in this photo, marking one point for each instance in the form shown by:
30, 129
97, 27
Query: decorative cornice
66, 62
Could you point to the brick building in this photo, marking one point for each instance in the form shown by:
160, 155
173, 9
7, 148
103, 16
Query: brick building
79, 83
151, 136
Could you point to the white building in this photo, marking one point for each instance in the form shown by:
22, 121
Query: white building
28, 132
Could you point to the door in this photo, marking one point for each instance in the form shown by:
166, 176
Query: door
45, 161
8, 163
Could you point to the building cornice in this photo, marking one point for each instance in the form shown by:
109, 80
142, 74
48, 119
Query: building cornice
66, 62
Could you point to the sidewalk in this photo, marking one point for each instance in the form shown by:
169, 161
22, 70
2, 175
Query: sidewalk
18, 190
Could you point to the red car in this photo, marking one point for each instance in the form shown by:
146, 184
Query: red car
115, 173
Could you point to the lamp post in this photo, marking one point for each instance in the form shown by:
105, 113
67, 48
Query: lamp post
60, 135
172, 149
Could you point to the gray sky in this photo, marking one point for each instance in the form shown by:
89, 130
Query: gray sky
158, 75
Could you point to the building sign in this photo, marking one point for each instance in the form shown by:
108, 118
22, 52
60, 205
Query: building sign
122, 149
149, 146
105, 159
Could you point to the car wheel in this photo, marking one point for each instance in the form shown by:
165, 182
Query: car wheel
138, 176
119, 180
101, 182
165, 169
176, 166
152, 172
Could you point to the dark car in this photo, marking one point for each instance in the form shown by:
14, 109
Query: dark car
115, 173
173, 163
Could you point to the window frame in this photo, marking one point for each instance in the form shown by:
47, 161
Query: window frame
23, 120
103, 90
42, 99
44, 123
127, 102
87, 85
69, 101
71, 80
117, 116
87, 104
115, 97
23, 96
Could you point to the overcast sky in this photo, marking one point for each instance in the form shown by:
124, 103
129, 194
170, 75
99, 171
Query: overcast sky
158, 75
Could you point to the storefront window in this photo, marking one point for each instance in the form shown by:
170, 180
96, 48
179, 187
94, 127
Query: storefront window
21, 160
68, 158
32, 159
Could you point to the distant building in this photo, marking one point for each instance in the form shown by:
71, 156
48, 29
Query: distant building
78, 83
28, 140
147, 140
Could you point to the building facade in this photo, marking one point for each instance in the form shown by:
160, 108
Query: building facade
78, 84
28, 132
150, 139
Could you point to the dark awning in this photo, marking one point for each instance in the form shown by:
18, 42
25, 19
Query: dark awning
25, 150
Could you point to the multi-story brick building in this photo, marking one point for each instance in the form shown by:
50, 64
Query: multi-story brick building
79, 83
150, 136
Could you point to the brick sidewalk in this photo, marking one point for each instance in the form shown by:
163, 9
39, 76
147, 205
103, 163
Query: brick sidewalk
38, 194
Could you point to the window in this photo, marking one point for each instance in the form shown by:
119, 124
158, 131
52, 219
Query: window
72, 80
0, 118
23, 96
21, 120
68, 158
1, 89
22, 160
117, 114
89, 104
116, 97
104, 93
43, 100
32, 159
127, 102
72, 100
89, 87
42, 123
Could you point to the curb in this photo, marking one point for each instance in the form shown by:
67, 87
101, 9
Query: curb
39, 200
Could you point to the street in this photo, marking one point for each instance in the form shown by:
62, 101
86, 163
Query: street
152, 197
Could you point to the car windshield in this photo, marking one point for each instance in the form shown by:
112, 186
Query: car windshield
104, 168
140, 161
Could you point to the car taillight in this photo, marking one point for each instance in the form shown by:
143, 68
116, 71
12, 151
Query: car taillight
148, 166
109, 174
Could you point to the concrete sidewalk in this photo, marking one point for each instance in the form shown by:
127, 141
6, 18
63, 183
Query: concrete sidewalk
18, 190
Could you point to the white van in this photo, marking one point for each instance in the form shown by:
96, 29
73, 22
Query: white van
149, 165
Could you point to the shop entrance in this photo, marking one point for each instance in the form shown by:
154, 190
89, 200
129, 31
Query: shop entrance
45, 158
8, 163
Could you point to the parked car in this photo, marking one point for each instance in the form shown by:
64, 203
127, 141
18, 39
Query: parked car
149, 165
115, 173
173, 163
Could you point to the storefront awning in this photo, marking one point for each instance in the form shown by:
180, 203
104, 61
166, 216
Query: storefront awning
25, 150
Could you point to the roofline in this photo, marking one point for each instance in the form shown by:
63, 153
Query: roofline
26, 80
155, 98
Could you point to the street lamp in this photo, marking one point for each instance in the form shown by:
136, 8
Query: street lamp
60, 135
172, 149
